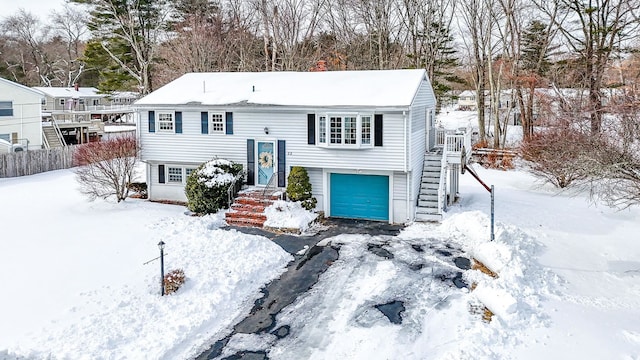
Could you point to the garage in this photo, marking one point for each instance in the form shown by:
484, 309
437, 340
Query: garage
359, 196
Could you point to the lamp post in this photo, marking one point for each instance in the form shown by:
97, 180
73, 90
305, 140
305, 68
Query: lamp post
161, 246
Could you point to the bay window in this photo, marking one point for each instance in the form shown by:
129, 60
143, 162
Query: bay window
347, 130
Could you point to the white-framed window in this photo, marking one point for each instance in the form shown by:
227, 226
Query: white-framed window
96, 102
6, 108
61, 102
174, 174
217, 123
366, 130
350, 130
322, 129
166, 122
177, 174
347, 130
335, 129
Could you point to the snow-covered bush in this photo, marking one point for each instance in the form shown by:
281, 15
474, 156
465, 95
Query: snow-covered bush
207, 186
299, 188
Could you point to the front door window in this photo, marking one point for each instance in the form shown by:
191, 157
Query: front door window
265, 162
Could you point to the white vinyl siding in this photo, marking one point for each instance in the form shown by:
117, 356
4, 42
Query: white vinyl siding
394, 158
25, 119
290, 126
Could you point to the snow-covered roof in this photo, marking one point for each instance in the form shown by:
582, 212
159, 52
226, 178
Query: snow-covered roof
323, 88
26, 88
467, 93
69, 92
124, 95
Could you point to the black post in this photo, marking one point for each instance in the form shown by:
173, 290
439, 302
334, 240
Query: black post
492, 216
161, 246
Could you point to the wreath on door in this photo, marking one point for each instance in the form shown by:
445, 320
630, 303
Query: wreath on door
265, 159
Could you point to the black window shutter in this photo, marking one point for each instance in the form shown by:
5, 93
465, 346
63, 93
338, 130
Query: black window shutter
251, 162
311, 129
229, 123
377, 130
281, 163
152, 121
161, 174
204, 122
178, 122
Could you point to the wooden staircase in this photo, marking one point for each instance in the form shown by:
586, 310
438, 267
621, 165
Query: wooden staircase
51, 137
427, 209
248, 208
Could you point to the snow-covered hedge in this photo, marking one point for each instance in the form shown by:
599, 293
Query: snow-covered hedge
207, 186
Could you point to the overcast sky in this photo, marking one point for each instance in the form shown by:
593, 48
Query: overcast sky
40, 8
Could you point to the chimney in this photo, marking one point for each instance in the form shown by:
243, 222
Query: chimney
321, 65
76, 86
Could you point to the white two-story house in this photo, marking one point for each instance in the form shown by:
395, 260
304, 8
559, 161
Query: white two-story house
361, 135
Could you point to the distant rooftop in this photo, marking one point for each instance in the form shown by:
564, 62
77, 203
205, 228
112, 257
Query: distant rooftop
69, 92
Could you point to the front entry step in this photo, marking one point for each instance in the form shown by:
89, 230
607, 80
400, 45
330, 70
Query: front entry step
248, 208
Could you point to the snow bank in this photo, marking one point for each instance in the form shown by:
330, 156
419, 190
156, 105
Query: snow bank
84, 291
288, 215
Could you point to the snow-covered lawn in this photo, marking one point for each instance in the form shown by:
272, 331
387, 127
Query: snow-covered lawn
75, 284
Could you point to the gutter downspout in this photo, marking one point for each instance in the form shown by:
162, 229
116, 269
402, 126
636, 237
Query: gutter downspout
407, 146
404, 119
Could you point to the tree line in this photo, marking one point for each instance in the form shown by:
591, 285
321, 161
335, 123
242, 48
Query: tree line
569, 67
485, 45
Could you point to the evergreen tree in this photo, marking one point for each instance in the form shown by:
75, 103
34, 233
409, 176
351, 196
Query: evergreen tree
128, 31
535, 48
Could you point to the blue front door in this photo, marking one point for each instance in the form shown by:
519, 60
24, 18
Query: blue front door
359, 196
266, 161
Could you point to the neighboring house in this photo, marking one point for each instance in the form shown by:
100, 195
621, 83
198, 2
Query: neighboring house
64, 100
467, 100
20, 115
361, 135
76, 114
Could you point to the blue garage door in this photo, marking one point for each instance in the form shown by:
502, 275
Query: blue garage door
359, 196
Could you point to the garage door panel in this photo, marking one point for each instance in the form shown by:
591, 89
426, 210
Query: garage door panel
360, 196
